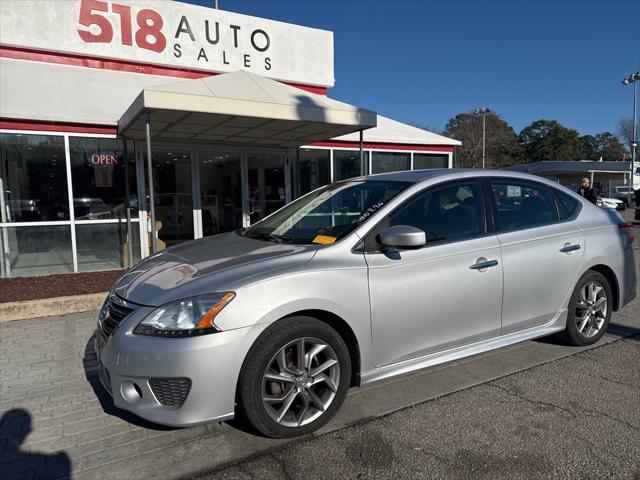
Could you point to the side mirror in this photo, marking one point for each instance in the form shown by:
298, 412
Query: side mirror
403, 236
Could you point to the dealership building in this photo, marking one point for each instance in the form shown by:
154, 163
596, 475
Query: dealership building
116, 112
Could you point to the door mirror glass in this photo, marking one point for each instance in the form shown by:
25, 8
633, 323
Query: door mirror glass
403, 236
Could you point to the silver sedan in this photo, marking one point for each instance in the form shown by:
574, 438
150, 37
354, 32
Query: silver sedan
355, 282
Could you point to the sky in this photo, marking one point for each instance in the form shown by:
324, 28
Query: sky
426, 61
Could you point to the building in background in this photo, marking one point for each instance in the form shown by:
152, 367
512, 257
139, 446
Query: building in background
608, 178
238, 114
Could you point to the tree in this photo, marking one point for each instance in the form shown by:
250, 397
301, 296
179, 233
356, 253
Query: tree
501, 142
549, 140
604, 145
625, 132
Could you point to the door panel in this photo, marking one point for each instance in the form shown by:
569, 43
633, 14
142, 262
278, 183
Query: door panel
266, 184
220, 191
541, 255
538, 276
429, 300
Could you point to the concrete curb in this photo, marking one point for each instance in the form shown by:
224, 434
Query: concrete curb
48, 307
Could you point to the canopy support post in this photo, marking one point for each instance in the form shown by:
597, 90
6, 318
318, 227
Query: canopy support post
363, 170
126, 203
152, 209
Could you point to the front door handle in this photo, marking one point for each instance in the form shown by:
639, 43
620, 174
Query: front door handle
570, 248
481, 264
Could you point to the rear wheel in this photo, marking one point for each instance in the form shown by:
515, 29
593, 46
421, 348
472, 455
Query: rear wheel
295, 377
589, 310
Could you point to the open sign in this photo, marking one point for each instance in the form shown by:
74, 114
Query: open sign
104, 159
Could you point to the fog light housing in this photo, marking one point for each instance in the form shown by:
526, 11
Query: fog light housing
130, 392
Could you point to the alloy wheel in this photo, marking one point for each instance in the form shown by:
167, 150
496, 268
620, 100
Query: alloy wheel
591, 309
300, 382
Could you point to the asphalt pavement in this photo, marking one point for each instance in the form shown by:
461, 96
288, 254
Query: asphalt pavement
574, 418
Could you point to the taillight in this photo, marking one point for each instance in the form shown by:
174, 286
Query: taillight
628, 229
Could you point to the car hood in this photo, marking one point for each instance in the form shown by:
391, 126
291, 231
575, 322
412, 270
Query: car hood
216, 263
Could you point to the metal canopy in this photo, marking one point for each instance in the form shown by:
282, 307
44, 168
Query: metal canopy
243, 108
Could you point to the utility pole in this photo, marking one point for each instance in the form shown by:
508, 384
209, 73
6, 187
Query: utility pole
632, 79
483, 111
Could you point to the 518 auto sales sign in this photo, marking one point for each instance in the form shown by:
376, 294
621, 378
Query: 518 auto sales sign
170, 33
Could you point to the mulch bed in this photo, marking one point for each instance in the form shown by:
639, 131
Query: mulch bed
63, 285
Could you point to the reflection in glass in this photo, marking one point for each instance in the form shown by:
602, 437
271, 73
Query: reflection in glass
430, 160
33, 180
98, 175
266, 184
220, 192
172, 190
346, 164
28, 251
312, 169
103, 246
383, 162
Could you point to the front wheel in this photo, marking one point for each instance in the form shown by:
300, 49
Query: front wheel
589, 310
294, 378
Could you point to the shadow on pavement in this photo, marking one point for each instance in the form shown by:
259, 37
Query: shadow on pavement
15, 426
90, 364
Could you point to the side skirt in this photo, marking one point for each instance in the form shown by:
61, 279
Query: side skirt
556, 325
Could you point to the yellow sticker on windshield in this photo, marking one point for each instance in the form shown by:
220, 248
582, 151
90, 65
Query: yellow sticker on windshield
324, 239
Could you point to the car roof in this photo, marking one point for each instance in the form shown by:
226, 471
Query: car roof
417, 176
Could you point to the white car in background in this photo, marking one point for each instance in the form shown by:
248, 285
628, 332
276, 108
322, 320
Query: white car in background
613, 203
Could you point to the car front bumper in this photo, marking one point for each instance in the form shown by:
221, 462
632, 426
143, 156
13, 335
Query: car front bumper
147, 376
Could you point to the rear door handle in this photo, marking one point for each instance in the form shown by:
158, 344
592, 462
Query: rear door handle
570, 248
481, 265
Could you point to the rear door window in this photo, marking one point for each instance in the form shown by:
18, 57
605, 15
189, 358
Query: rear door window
522, 204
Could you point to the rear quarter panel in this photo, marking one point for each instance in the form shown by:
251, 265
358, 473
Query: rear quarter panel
606, 244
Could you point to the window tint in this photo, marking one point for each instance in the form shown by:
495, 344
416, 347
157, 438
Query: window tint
451, 212
568, 203
523, 204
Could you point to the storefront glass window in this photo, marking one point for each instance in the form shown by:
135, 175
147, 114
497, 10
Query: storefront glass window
42, 250
33, 179
430, 160
98, 176
313, 169
383, 162
346, 164
104, 246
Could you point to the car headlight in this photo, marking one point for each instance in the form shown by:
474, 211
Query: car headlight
185, 318
103, 311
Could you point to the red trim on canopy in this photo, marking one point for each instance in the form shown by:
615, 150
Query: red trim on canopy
19, 53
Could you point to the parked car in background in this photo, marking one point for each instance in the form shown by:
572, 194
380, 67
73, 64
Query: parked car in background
622, 193
605, 201
356, 282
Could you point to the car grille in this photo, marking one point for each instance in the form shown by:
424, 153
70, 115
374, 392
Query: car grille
117, 312
171, 392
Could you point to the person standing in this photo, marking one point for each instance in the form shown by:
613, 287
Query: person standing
587, 191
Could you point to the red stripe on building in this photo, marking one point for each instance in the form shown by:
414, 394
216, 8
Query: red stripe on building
19, 53
386, 146
15, 124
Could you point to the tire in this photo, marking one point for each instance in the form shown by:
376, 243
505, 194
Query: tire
321, 384
584, 327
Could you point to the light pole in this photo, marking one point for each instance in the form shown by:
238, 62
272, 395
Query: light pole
483, 111
633, 78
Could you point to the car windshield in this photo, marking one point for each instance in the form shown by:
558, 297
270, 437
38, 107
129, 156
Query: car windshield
327, 214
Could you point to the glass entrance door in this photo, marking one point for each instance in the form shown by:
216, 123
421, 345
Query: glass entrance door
266, 184
220, 191
172, 196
